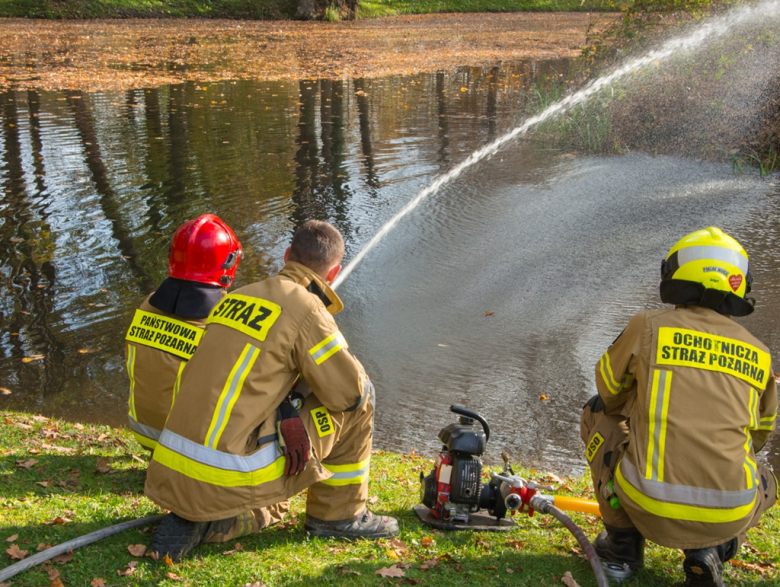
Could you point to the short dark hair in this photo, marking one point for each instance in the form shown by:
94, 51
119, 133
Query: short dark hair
318, 245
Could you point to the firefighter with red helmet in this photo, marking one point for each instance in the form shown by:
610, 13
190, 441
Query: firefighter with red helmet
167, 328
686, 397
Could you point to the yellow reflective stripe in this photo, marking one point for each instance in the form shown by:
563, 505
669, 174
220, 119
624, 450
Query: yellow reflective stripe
350, 474
664, 418
230, 393
178, 383
750, 465
215, 475
651, 426
607, 376
328, 347
164, 333
131, 374
144, 441
683, 512
347, 468
700, 350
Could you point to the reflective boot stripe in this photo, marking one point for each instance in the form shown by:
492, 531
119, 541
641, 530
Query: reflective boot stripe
230, 393
131, 375
351, 474
659, 411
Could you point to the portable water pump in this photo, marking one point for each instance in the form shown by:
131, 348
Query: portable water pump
454, 492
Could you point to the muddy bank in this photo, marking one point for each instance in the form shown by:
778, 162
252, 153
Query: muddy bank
105, 55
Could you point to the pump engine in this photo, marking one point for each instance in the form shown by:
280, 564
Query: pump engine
454, 491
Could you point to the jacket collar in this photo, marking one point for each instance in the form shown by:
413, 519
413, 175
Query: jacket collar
314, 284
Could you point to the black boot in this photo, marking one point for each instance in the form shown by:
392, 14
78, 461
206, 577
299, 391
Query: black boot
621, 545
176, 536
704, 566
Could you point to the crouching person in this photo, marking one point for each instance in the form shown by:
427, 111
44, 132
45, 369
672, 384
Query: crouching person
243, 435
167, 328
686, 396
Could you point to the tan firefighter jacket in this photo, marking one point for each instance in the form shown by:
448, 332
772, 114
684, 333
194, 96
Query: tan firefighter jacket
209, 464
701, 398
158, 347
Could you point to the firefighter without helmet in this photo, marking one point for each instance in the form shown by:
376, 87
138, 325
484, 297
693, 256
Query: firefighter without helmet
205, 250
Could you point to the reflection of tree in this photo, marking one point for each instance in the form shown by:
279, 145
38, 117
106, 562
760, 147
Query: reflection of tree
492, 101
364, 115
321, 189
99, 173
22, 239
444, 134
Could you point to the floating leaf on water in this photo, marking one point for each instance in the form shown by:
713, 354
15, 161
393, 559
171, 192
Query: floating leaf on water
544, 396
16, 239
488, 313
32, 358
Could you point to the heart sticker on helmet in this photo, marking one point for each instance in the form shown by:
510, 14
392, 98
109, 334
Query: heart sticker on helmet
735, 281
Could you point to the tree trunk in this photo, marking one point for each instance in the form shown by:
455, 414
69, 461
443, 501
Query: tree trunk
306, 10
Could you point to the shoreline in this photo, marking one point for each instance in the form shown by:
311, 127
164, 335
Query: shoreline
103, 55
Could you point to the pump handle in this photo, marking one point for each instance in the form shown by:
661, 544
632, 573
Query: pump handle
471, 414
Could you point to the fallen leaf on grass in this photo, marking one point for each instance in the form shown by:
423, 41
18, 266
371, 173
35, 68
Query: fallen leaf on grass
103, 468
429, 564
43, 546
64, 558
373, 499
516, 544
238, 548
483, 544
56, 583
129, 570
23, 426
43, 483
393, 571
568, 580
255, 584
58, 520
173, 576
40, 418
751, 567
167, 560
397, 543
345, 571
288, 524
12, 538
16, 553
63, 449
53, 573
97, 582
136, 549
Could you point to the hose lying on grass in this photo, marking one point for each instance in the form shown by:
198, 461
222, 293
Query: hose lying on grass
50, 553
540, 504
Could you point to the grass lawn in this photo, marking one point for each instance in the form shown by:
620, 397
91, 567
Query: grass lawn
61, 480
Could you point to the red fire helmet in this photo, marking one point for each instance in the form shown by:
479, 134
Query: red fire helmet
204, 250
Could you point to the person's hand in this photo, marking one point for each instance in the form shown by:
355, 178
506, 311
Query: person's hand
293, 440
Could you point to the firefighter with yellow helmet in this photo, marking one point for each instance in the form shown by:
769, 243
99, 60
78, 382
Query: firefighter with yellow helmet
247, 432
686, 397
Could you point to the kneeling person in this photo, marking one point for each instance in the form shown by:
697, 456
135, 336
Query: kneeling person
167, 328
238, 438
686, 397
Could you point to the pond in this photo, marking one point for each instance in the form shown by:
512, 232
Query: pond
502, 289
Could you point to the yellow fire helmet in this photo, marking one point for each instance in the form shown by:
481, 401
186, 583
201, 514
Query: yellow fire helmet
708, 268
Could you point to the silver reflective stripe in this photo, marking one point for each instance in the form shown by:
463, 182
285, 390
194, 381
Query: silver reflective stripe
215, 458
338, 341
143, 429
659, 419
718, 253
685, 494
350, 474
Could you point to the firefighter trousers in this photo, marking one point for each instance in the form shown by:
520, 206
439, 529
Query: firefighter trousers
341, 441
606, 437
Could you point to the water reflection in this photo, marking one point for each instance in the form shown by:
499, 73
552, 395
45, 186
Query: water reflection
95, 184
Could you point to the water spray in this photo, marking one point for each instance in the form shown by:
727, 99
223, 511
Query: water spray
709, 31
